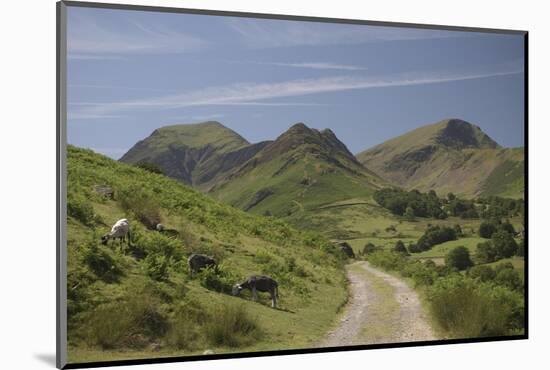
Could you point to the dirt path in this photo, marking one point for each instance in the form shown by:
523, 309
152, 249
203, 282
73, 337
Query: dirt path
382, 309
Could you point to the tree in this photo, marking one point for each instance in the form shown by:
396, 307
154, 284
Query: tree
482, 273
409, 214
504, 243
400, 248
521, 248
459, 258
486, 229
369, 248
509, 278
458, 230
485, 252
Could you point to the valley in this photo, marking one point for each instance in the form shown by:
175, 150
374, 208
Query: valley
281, 208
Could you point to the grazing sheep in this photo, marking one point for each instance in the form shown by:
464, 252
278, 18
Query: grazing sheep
119, 231
260, 283
199, 261
346, 248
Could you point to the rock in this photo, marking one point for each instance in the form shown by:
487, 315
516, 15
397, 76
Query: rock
208, 352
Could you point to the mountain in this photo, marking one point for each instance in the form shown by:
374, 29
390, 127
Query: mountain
196, 154
301, 170
449, 156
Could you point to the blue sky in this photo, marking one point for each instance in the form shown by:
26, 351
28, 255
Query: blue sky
130, 72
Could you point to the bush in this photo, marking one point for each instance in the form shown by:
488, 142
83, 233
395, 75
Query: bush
367, 249
101, 262
466, 309
504, 244
435, 235
482, 273
486, 229
521, 248
485, 253
220, 281
459, 258
151, 167
233, 326
156, 267
142, 204
510, 279
79, 208
400, 248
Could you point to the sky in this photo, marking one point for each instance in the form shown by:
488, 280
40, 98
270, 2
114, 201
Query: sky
131, 72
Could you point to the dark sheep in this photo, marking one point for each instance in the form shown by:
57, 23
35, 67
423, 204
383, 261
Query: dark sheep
260, 283
346, 248
199, 261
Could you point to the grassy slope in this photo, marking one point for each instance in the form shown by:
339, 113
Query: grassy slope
326, 185
244, 244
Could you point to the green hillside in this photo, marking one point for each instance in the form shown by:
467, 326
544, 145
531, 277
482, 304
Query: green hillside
196, 154
449, 156
139, 301
295, 174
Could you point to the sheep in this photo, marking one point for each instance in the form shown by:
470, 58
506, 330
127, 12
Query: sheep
119, 231
260, 283
199, 261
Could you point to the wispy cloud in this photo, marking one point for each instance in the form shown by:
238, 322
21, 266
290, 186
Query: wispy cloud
118, 87
279, 33
312, 65
258, 93
89, 39
73, 56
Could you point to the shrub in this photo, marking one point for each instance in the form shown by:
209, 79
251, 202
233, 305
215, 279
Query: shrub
142, 204
368, 249
151, 167
482, 273
233, 326
156, 267
510, 279
400, 248
101, 262
435, 235
459, 258
521, 248
486, 229
79, 208
504, 244
221, 281
485, 252
465, 310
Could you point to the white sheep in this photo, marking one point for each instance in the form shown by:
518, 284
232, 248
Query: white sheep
119, 231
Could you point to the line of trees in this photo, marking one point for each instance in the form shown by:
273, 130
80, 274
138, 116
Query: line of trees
411, 204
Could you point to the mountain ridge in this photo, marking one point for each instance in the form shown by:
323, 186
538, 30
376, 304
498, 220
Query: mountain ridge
449, 156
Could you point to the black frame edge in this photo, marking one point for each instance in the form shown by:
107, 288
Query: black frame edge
227, 13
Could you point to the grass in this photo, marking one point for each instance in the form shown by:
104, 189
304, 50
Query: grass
441, 250
140, 302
